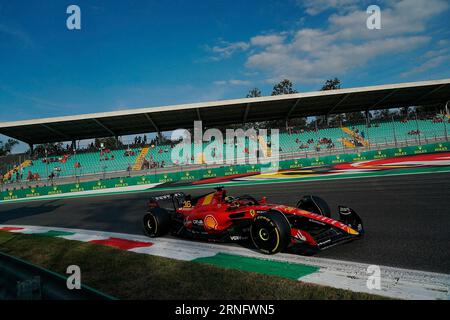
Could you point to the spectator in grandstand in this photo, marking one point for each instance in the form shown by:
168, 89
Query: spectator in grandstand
145, 164
414, 132
325, 141
303, 146
437, 119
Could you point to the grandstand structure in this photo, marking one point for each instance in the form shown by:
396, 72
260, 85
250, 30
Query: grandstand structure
295, 142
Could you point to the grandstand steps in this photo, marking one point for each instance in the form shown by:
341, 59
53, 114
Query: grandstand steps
347, 143
140, 159
355, 135
23, 165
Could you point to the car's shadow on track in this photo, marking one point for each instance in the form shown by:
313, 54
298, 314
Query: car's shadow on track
27, 211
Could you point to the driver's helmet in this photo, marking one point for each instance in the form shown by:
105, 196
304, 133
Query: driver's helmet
232, 202
229, 199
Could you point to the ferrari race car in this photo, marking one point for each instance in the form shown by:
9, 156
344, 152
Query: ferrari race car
271, 228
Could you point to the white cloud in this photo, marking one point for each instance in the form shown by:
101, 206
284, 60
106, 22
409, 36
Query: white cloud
306, 64
403, 17
232, 82
267, 40
430, 60
345, 44
314, 7
427, 65
226, 49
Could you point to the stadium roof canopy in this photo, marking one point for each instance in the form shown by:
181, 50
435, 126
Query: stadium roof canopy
221, 113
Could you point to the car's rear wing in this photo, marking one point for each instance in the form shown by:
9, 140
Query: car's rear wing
173, 199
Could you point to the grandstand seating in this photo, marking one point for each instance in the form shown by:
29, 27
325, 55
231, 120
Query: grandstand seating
90, 163
303, 141
377, 133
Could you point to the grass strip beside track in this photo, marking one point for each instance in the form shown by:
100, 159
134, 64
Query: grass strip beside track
129, 275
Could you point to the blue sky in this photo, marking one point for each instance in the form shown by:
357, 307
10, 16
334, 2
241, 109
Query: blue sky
148, 53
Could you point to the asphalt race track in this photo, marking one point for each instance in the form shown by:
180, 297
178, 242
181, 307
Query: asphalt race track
407, 218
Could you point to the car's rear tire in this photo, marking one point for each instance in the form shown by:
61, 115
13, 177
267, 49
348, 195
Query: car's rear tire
156, 222
270, 232
315, 205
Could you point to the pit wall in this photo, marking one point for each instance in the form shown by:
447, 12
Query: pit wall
195, 175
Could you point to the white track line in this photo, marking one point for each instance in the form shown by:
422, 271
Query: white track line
395, 282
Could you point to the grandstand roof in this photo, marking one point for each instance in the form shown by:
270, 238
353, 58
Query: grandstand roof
220, 113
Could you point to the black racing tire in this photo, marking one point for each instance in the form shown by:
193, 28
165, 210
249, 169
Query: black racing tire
315, 205
156, 222
270, 232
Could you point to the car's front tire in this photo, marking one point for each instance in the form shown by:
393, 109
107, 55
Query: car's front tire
156, 222
270, 232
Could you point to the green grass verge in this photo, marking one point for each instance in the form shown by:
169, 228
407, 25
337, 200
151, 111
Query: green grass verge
128, 275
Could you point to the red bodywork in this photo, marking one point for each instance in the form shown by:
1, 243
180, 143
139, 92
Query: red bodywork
215, 213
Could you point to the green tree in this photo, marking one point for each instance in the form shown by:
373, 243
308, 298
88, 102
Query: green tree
433, 108
335, 120
355, 117
382, 114
6, 148
254, 93
283, 87
331, 84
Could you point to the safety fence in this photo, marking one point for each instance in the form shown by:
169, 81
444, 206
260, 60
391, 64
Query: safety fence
200, 174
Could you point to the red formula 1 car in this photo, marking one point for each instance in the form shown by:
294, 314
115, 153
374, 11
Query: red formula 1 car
272, 228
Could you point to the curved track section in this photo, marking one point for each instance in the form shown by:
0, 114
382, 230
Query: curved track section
407, 218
